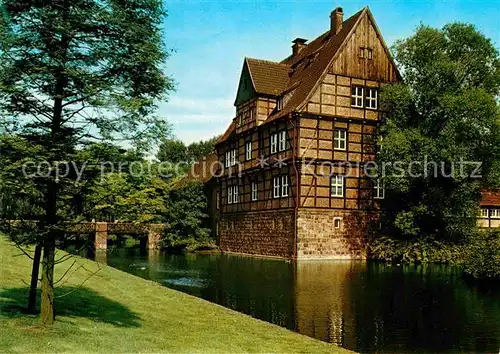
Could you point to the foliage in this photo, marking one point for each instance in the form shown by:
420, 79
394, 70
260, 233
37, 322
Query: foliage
442, 113
417, 250
482, 257
74, 71
175, 151
186, 217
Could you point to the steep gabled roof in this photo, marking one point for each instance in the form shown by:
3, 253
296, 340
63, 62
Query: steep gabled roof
313, 63
268, 77
229, 131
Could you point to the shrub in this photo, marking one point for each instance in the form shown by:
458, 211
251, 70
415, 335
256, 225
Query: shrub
482, 256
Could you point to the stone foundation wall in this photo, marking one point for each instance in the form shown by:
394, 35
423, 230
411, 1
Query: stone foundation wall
317, 236
268, 233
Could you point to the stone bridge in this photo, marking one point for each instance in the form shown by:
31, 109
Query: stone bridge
101, 230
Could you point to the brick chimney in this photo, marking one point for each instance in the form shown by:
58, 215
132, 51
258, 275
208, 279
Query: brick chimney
336, 19
298, 45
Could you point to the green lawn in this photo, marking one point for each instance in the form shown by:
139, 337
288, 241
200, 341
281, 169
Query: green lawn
118, 312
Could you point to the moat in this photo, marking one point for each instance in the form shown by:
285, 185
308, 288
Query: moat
361, 306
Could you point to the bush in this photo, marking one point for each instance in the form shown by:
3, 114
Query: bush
418, 250
482, 256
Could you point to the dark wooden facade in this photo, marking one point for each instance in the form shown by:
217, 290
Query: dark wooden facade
308, 133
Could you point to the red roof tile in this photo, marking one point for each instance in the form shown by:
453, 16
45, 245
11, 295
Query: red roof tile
490, 198
268, 77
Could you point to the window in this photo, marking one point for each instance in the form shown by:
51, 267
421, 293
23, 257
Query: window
251, 114
371, 98
254, 191
378, 186
339, 139
279, 103
337, 222
274, 143
227, 161
357, 96
362, 52
284, 186
230, 195
369, 53
495, 213
276, 187
230, 158
337, 186
484, 213
240, 119
248, 150
282, 140
235, 194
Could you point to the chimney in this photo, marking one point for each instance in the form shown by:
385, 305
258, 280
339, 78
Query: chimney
298, 45
336, 19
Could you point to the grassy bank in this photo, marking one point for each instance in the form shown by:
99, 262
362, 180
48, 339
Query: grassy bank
117, 312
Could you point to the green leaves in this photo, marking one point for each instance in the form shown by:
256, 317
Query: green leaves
445, 113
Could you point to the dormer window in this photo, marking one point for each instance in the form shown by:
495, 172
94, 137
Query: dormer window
279, 103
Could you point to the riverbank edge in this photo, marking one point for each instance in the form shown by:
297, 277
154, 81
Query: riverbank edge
153, 318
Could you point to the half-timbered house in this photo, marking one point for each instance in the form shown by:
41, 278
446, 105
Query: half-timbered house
292, 181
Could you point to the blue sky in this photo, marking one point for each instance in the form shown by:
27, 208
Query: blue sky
211, 38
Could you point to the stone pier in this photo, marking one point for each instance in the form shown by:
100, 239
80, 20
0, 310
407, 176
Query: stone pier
101, 235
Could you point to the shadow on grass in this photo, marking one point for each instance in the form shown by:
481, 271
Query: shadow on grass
81, 302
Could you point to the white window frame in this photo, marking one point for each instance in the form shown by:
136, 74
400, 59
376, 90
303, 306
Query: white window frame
495, 213
484, 212
230, 195
248, 150
276, 187
279, 103
358, 96
369, 53
337, 183
339, 139
273, 140
371, 99
251, 114
240, 119
379, 188
227, 162
339, 220
233, 157
282, 140
254, 191
362, 52
235, 194
284, 186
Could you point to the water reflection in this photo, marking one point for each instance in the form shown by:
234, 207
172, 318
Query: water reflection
361, 306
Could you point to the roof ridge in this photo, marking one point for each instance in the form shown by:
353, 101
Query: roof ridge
266, 61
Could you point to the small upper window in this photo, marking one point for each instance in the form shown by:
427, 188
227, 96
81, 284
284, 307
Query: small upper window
369, 53
240, 119
230, 195
279, 103
248, 150
371, 98
357, 96
361, 52
495, 213
484, 213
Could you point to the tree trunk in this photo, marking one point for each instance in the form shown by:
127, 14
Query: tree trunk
47, 304
34, 279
